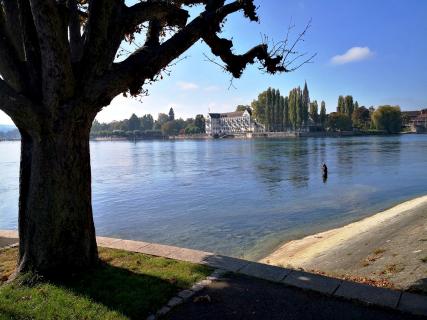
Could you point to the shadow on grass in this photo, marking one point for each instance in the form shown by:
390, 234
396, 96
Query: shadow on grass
129, 284
132, 294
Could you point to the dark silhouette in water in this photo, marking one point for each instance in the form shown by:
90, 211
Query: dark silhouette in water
324, 172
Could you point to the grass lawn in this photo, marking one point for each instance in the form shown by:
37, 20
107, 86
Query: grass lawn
126, 285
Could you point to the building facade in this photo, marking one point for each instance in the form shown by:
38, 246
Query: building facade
415, 120
230, 123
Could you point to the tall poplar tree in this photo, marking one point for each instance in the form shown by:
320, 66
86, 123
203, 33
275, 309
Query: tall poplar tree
356, 106
292, 110
279, 111
340, 107
268, 111
305, 102
285, 101
314, 109
300, 108
323, 113
348, 106
273, 110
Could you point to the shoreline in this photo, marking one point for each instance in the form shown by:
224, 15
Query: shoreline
389, 247
249, 136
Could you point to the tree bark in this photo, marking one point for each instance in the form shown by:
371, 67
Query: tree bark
57, 233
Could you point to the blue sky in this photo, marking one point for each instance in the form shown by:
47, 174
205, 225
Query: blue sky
387, 64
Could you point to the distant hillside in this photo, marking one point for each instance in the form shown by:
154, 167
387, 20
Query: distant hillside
7, 127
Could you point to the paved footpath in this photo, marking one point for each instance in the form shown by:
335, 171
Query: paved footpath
241, 297
300, 294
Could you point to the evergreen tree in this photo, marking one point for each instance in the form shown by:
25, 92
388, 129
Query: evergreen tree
348, 105
314, 109
273, 110
356, 106
147, 122
171, 114
199, 122
281, 112
292, 110
285, 102
134, 123
278, 111
300, 108
295, 108
340, 107
323, 113
268, 111
305, 102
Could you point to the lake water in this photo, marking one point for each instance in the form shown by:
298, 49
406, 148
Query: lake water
238, 197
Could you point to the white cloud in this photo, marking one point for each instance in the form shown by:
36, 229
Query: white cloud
353, 54
187, 85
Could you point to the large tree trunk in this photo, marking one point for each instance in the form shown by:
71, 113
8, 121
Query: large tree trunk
56, 229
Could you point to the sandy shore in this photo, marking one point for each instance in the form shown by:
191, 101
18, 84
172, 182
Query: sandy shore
389, 248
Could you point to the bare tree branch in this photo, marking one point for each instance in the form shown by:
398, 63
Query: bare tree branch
273, 56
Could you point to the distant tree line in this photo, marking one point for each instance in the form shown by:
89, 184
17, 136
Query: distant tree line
166, 124
10, 135
274, 111
293, 112
350, 116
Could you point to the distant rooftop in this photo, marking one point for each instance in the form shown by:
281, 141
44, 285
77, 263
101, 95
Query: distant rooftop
227, 114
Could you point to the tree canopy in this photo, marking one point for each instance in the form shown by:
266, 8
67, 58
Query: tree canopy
361, 118
339, 122
388, 118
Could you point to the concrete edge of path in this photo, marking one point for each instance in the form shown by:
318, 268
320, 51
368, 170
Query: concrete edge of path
394, 299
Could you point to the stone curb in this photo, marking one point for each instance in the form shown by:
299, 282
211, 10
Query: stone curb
394, 299
186, 294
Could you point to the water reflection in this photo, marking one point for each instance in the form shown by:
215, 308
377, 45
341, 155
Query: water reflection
298, 163
278, 164
237, 197
269, 163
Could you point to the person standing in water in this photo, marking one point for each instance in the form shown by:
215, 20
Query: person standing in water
324, 172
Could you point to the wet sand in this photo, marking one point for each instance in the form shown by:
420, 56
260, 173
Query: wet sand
386, 249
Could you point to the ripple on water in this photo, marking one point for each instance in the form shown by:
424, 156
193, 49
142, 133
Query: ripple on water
238, 197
